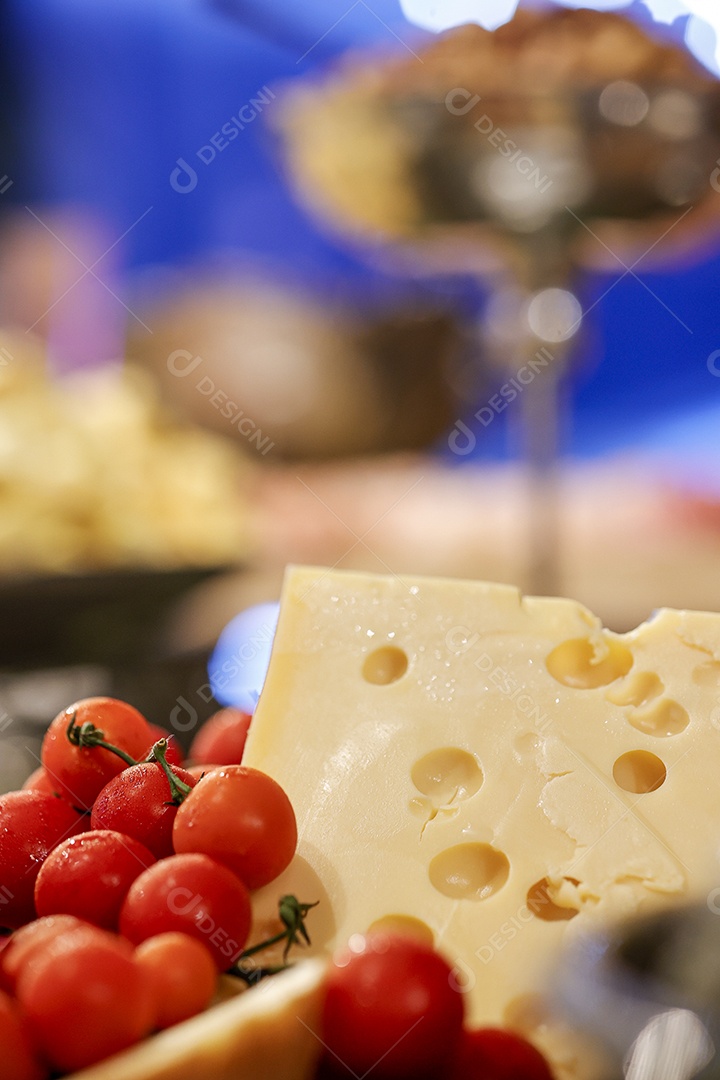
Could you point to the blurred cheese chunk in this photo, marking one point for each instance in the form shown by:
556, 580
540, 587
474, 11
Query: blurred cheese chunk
94, 473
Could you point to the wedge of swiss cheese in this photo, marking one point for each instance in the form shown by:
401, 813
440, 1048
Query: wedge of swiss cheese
498, 768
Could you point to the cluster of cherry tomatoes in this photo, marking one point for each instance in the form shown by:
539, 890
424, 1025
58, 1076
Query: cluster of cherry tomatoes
125, 884
125, 880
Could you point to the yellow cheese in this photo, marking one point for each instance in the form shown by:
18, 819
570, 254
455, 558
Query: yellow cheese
498, 767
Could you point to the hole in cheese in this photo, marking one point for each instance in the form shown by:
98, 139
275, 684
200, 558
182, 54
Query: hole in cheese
542, 900
641, 689
385, 665
527, 1013
662, 719
639, 771
707, 674
579, 664
406, 925
469, 871
447, 775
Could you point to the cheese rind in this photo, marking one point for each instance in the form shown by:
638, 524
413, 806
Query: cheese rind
488, 764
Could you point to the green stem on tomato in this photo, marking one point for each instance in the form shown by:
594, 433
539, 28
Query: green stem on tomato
292, 914
256, 974
179, 790
87, 735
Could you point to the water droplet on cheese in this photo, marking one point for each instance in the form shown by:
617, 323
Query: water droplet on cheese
637, 690
447, 775
469, 871
639, 771
576, 663
406, 925
385, 665
542, 900
662, 719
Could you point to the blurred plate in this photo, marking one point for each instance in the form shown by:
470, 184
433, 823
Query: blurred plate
110, 617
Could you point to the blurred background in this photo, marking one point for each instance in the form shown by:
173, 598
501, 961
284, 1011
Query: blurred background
207, 371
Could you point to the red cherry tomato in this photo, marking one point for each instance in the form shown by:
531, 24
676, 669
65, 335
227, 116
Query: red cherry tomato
81, 772
182, 974
390, 1009
496, 1054
138, 803
198, 771
174, 753
39, 781
24, 942
31, 825
242, 818
85, 998
221, 739
18, 1057
89, 876
194, 895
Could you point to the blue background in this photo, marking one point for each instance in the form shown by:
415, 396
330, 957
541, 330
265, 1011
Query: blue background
114, 93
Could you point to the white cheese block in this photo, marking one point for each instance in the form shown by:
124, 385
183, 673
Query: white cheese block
499, 767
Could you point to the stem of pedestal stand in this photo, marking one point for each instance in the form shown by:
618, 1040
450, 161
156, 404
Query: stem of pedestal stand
551, 320
539, 416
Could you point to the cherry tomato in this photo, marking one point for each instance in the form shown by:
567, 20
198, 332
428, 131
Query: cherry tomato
242, 818
24, 942
18, 1057
222, 738
89, 876
85, 998
193, 895
138, 803
31, 825
174, 753
496, 1054
390, 1009
81, 772
39, 781
182, 974
198, 771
